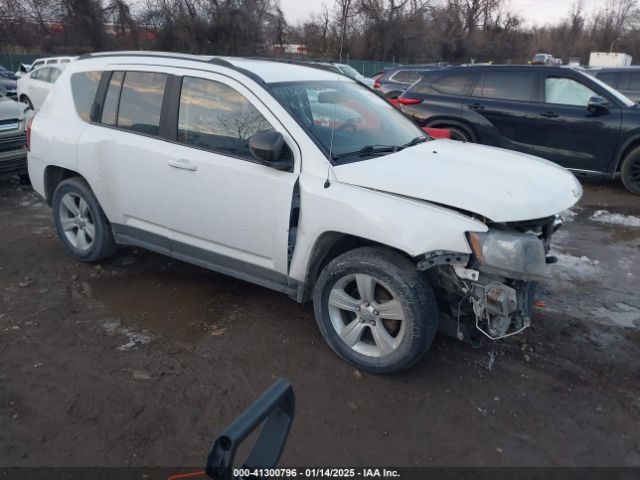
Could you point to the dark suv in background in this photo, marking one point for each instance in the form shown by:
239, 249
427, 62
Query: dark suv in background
395, 80
624, 79
556, 113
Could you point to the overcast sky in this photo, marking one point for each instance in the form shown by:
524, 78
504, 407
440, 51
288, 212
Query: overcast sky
538, 12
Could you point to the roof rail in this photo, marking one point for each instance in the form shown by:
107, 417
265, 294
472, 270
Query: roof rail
183, 56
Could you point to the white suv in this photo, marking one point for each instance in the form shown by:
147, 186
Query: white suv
305, 182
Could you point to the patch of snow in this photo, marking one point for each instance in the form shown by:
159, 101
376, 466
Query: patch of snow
603, 216
626, 316
113, 327
570, 267
569, 214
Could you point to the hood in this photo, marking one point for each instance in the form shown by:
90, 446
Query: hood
10, 109
501, 185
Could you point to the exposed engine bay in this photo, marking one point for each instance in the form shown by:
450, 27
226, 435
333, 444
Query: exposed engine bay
490, 293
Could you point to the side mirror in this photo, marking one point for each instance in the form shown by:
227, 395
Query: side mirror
598, 105
269, 147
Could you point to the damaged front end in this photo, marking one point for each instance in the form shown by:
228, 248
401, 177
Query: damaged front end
491, 292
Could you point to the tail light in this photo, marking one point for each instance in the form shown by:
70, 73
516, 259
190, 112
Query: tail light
409, 101
376, 84
29, 134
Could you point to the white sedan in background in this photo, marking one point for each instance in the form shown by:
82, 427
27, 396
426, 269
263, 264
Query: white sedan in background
34, 87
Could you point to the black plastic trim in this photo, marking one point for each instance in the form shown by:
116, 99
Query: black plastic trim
127, 235
170, 106
101, 92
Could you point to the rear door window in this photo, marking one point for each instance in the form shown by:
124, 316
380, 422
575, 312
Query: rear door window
141, 102
458, 85
406, 76
41, 74
508, 86
54, 74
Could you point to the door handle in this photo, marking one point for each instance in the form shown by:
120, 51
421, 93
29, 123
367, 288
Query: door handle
549, 115
183, 164
475, 106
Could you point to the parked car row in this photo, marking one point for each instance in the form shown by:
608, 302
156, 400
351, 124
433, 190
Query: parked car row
29, 89
14, 117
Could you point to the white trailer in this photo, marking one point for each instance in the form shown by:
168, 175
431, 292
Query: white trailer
604, 59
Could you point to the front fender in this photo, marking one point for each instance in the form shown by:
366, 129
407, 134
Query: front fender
411, 226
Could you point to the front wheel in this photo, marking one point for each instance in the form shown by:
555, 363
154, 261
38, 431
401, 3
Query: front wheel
80, 222
630, 171
374, 310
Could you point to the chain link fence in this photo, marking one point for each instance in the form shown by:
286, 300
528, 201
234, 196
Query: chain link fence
367, 68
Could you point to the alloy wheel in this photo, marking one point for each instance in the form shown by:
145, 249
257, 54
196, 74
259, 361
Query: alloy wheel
366, 315
77, 221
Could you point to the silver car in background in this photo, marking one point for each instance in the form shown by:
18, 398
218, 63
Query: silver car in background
14, 118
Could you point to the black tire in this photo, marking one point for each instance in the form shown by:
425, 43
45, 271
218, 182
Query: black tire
458, 134
27, 100
396, 275
630, 171
102, 245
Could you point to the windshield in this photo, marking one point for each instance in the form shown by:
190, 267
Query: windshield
613, 92
355, 119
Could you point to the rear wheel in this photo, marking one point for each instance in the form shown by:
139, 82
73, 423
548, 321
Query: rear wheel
458, 134
630, 171
80, 221
374, 310
27, 100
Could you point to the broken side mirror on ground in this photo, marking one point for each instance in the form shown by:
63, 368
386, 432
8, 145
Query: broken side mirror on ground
274, 410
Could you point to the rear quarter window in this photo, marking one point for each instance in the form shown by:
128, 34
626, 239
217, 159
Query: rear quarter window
455, 85
609, 78
405, 76
83, 88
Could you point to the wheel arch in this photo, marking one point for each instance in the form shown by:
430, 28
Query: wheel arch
449, 122
53, 175
328, 246
629, 145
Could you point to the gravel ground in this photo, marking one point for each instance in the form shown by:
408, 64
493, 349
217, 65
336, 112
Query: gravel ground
142, 360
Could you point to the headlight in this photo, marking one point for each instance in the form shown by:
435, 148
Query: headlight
512, 255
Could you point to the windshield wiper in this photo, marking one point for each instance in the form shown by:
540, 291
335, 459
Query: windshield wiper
377, 149
415, 141
370, 150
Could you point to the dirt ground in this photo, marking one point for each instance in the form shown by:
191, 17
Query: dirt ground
142, 360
